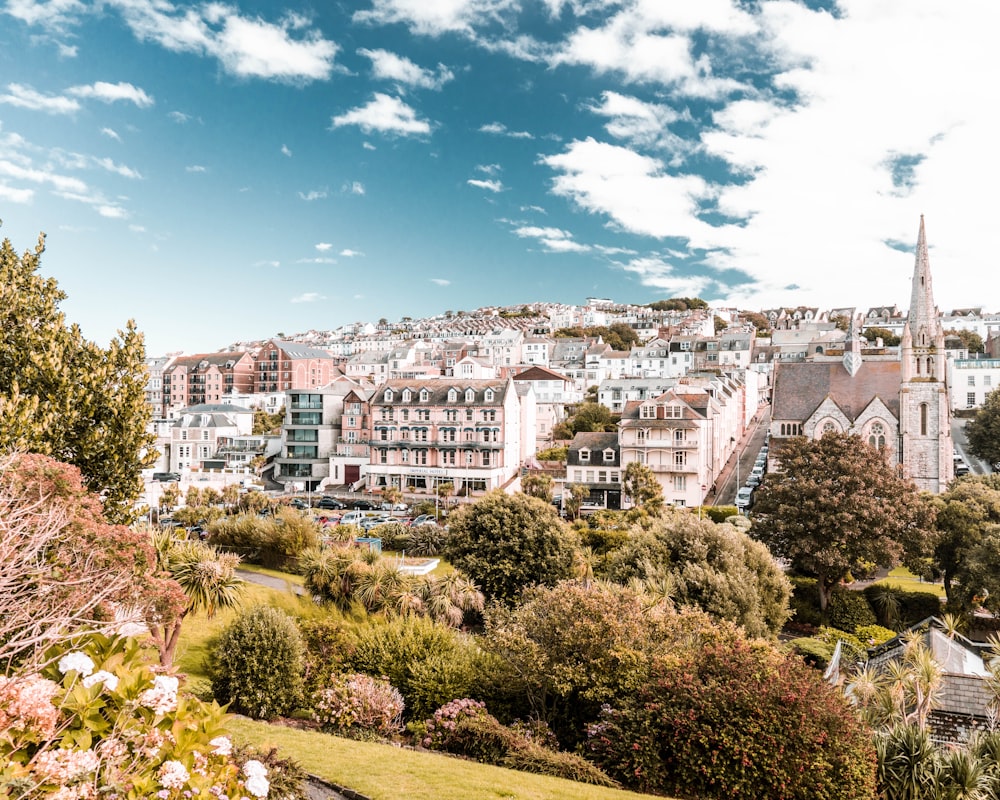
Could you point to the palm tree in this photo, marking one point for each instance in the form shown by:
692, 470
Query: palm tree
207, 578
907, 763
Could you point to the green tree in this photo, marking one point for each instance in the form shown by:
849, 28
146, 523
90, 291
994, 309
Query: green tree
640, 485
971, 340
719, 324
678, 304
573, 496
835, 507
842, 321
889, 339
505, 543
715, 568
538, 485
593, 417
267, 423
758, 320
983, 430
65, 396
970, 504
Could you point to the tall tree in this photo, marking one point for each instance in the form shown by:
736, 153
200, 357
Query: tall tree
970, 504
983, 430
835, 507
641, 486
505, 543
538, 485
65, 396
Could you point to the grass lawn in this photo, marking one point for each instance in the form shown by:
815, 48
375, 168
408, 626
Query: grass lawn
273, 573
902, 578
385, 772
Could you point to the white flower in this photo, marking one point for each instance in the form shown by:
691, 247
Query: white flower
109, 679
221, 746
258, 785
254, 769
173, 775
78, 661
162, 698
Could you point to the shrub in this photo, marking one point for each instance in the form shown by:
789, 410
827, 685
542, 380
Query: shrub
327, 644
848, 610
394, 536
359, 706
805, 602
529, 756
896, 608
873, 635
257, 664
425, 540
735, 718
272, 542
286, 776
719, 514
439, 728
815, 652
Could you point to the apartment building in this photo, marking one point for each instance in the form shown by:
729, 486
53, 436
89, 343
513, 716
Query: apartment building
282, 366
204, 379
198, 431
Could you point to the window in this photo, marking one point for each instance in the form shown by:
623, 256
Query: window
383, 456
674, 412
468, 457
184, 436
970, 400
406, 414
584, 454
351, 422
647, 412
404, 456
972, 380
680, 483
640, 435
383, 434
468, 414
609, 456
680, 459
452, 396
204, 436
407, 394
987, 380
448, 457
602, 476
387, 397
616, 477
828, 427
424, 395
589, 476
420, 457
448, 435
470, 396
488, 396
486, 458
923, 419
876, 435
680, 437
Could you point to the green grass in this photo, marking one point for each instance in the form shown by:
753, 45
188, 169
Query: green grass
385, 772
902, 578
273, 573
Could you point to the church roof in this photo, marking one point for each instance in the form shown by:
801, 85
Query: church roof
800, 387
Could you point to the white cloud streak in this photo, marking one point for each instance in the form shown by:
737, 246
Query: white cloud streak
384, 114
113, 92
388, 66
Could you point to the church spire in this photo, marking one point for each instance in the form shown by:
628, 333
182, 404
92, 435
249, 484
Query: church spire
922, 317
852, 349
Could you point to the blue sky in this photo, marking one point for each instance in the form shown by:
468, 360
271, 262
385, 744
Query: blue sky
227, 171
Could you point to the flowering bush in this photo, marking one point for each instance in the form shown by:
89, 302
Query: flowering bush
442, 725
99, 722
359, 705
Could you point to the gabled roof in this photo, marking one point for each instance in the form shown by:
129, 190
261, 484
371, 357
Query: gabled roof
537, 373
800, 387
297, 350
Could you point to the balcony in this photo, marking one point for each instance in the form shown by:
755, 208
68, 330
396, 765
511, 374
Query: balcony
352, 449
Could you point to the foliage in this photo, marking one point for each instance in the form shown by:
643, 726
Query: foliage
713, 567
567, 649
539, 485
64, 566
272, 541
265, 423
758, 320
63, 395
979, 575
814, 651
889, 339
678, 304
719, 514
439, 728
590, 417
970, 503
508, 542
640, 485
805, 601
359, 706
422, 540
971, 340
286, 776
552, 454
208, 580
895, 608
573, 496
836, 507
327, 644
618, 336
983, 430
428, 663
257, 664
733, 717
873, 635
849, 610
99, 721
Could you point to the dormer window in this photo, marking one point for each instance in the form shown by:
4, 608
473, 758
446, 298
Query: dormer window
387, 397
585, 454
673, 412
407, 395
470, 395
424, 395
488, 396
609, 456
647, 412
452, 396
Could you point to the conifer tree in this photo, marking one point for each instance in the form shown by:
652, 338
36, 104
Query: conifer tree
65, 396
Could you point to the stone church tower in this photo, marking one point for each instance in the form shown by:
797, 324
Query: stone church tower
925, 444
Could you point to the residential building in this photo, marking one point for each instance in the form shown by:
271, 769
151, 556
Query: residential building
196, 433
205, 378
552, 392
593, 460
971, 379
282, 366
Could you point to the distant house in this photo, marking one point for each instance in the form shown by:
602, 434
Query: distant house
593, 460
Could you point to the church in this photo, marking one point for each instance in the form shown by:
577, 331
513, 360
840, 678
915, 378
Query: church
897, 402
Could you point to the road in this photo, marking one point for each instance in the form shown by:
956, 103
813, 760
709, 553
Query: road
735, 474
976, 466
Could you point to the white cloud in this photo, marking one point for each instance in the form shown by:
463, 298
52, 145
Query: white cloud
660, 274
179, 117
112, 212
308, 297
196, 168
638, 122
62, 183
384, 114
246, 47
53, 14
23, 96
489, 169
137, 228
285, 151
112, 92
348, 253
388, 66
437, 17
317, 260
323, 246
313, 194
491, 186
499, 129
111, 134
368, 145
354, 187
15, 195
553, 240
441, 281
118, 169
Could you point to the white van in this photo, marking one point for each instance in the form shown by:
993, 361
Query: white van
352, 517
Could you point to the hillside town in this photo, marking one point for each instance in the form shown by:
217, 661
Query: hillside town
472, 398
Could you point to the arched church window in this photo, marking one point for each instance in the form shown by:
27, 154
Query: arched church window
930, 366
923, 419
828, 427
876, 435
919, 364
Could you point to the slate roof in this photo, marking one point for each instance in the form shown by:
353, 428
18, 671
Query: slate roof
438, 389
540, 374
800, 387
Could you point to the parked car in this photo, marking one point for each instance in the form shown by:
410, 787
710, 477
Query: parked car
744, 498
961, 468
423, 519
394, 507
364, 505
331, 504
166, 477
368, 523
299, 503
753, 481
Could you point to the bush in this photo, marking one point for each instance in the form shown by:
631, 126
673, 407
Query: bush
286, 776
257, 664
736, 718
273, 542
719, 514
849, 610
327, 644
529, 756
359, 706
394, 536
896, 608
439, 728
805, 602
815, 652
873, 635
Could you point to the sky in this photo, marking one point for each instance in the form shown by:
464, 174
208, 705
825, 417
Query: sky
226, 171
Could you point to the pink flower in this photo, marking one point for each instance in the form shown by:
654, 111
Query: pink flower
173, 775
26, 705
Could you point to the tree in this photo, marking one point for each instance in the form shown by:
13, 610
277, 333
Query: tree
716, 568
207, 578
641, 486
835, 507
591, 418
64, 567
573, 496
538, 485
678, 304
63, 395
971, 340
758, 320
889, 339
392, 495
719, 324
505, 543
970, 504
983, 430
267, 423
170, 496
